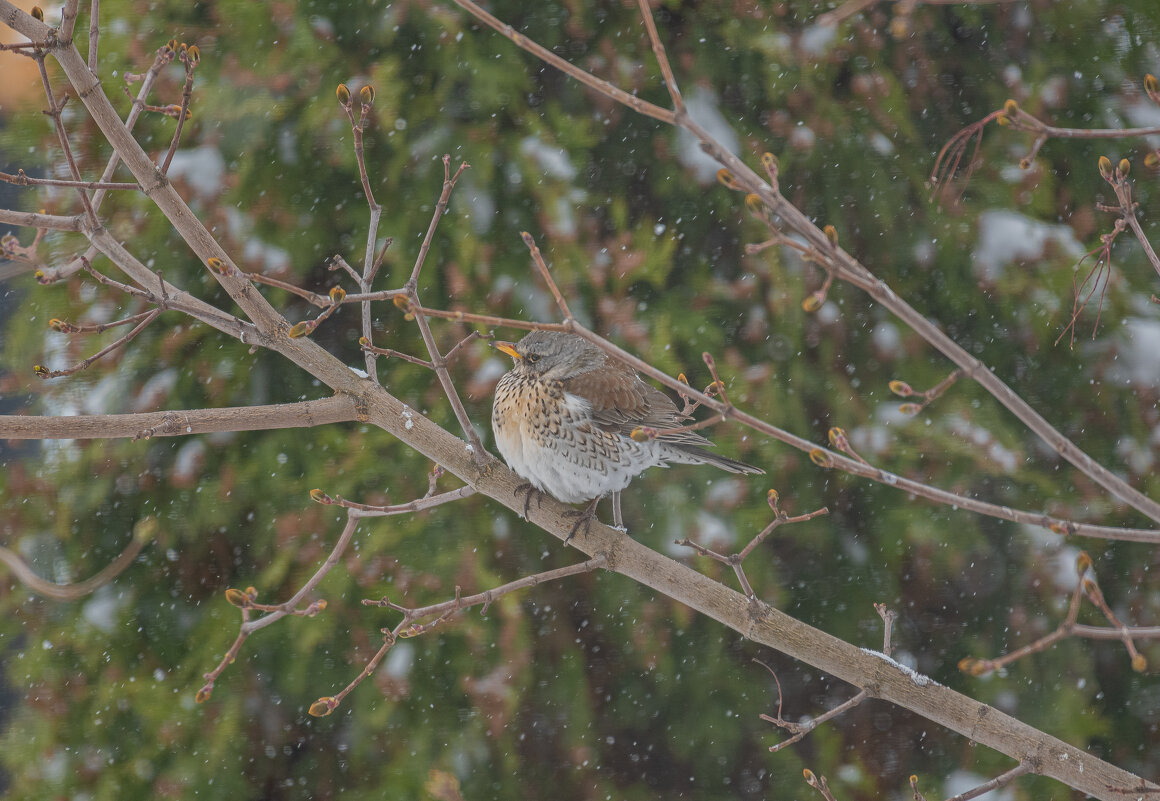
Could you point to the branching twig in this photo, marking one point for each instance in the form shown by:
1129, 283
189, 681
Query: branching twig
245, 600
1085, 586
1001, 780
44, 372
904, 390
407, 627
428, 501
20, 179
53, 112
800, 730
190, 56
735, 560
438, 362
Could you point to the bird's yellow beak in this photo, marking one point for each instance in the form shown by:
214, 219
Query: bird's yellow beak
509, 348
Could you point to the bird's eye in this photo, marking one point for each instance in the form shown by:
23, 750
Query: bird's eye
532, 358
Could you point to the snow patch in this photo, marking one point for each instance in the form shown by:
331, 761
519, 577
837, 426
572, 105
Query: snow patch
702, 107
919, 679
1006, 237
203, 168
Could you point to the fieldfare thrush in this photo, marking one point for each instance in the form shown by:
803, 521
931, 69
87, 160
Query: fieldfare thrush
563, 418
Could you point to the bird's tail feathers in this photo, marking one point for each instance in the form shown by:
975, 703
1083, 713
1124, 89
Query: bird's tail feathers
694, 455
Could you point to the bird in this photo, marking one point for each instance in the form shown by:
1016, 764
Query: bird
563, 419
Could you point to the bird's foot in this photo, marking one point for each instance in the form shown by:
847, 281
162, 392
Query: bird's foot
583, 517
527, 490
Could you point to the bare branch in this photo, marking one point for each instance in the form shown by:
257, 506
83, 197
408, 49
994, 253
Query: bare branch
305, 414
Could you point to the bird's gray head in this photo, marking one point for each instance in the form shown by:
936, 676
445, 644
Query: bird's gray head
553, 355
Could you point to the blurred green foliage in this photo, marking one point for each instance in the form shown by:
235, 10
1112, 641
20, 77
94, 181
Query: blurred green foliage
593, 687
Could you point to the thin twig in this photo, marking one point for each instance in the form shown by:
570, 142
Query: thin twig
94, 33
83, 364
1086, 586
662, 58
995, 783
735, 560
369, 510
800, 730
314, 298
20, 179
276, 612
449, 182
408, 628
54, 112
190, 56
547, 56
546, 274
438, 362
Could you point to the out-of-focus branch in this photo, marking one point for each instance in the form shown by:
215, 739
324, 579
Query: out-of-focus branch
143, 532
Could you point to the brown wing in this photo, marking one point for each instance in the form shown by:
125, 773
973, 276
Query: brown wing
621, 401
